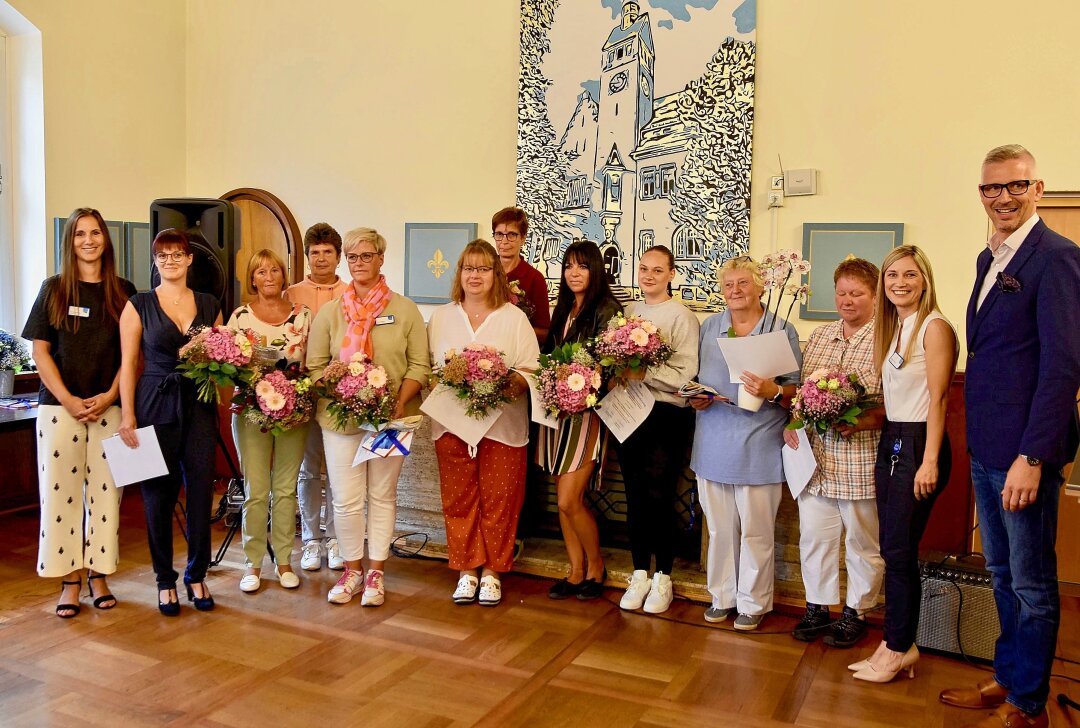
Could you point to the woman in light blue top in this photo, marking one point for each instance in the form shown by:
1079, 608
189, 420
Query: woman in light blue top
736, 454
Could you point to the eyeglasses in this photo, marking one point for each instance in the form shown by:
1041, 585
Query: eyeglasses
508, 236
1016, 187
482, 270
176, 256
364, 257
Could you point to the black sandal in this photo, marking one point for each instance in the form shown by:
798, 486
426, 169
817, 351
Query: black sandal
73, 608
100, 602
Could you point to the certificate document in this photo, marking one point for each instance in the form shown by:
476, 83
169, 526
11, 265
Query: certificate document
799, 465
625, 408
766, 355
135, 464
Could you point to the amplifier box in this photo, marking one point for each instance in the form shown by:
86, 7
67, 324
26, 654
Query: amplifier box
958, 615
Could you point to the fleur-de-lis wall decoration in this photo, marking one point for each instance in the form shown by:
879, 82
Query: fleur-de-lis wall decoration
438, 264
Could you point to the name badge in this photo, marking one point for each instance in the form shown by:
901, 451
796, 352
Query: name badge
896, 360
80, 311
383, 320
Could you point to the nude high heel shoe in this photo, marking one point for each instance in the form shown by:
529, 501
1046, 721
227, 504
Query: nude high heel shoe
907, 662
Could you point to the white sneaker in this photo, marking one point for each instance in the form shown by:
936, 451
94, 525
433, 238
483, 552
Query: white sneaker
311, 557
659, 598
374, 593
346, 587
490, 591
635, 594
466, 590
333, 555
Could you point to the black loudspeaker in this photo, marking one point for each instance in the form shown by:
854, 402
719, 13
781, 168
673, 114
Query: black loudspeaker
213, 228
958, 614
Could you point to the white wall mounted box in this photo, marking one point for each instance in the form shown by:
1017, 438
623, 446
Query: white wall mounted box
800, 182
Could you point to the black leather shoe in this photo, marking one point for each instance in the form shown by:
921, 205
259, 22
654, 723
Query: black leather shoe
170, 608
814, 623
592, 588
563, 589
203, 604
847, 631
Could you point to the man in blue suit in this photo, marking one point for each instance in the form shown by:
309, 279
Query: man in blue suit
1023, 372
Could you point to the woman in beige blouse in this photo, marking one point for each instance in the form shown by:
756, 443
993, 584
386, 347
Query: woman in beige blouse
386, 326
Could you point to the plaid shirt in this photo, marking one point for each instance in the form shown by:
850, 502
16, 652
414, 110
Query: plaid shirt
845, 465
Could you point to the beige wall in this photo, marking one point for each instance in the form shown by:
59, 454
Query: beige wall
378, 113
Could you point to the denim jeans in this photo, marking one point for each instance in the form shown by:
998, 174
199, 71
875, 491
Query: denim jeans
1019, 551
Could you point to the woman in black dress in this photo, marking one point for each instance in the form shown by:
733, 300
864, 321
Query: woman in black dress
154, 325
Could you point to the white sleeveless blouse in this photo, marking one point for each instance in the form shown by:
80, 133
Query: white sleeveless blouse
907, 391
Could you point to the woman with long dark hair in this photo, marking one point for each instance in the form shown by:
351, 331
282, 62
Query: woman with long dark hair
153, 327
74, 325
570, 452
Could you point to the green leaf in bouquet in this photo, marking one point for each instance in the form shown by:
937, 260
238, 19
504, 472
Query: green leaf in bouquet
229, 369
213, 366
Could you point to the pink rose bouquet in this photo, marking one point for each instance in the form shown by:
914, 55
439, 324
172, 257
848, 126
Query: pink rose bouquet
569, 380
630, 344
217, 356
827, 398
478, 374
276, 399
358, 392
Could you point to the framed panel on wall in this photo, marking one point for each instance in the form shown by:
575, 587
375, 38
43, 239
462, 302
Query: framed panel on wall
431, 253
137, 258
825, 244
116, 234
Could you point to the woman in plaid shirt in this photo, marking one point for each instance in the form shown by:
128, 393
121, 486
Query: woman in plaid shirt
840, 497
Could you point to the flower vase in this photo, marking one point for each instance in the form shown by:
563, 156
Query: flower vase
749, 402
7, 382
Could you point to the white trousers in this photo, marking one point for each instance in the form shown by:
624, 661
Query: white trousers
309, 489
821, 521
365, 497
80, 504
742, 543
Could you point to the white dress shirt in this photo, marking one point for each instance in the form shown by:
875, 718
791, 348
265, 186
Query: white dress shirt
1003, 255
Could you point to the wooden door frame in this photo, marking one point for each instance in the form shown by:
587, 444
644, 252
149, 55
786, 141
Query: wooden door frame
293, 240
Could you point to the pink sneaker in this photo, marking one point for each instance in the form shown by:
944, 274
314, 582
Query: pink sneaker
374, 594
346, 587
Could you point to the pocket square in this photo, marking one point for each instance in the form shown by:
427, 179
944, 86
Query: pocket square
1007, 284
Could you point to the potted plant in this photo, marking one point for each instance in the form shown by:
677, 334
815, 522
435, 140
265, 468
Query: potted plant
13, 359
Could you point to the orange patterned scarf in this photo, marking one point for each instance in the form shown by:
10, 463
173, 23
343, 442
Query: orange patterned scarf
360, 317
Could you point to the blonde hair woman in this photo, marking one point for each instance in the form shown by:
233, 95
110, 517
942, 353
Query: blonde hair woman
915, 351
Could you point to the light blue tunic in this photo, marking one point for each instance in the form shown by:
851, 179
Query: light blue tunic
732, 445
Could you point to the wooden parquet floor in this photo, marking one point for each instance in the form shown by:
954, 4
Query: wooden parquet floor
280, 658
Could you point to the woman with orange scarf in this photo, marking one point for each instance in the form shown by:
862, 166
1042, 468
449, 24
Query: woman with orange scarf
388, 328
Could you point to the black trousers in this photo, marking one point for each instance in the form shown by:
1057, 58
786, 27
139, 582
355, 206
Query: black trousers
902, 522
652, 461
189, 452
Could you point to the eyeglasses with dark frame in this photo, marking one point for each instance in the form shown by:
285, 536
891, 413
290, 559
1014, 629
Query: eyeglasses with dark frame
511, 236
1016, 187
481, 269
176, 256
363, 257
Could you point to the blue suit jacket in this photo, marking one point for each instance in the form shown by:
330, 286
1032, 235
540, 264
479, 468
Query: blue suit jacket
1023, 367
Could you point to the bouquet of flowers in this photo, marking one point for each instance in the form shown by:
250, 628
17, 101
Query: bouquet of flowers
569, 380
519, 299
358, 392
13, 354
478, 375
630, 343
217, 356
277, 399
827, 397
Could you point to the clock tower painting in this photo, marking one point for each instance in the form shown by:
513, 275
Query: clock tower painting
642, 140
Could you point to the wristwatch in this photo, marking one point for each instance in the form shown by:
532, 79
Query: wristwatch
778, 397
1033, 462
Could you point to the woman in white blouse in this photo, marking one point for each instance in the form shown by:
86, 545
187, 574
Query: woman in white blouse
915, 350
483, 489
270, 463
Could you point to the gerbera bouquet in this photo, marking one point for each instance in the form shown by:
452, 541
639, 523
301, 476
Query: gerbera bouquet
569, 380
13, 354
478, 375
519, 299
827, 397
358, 392
630, 344
277, 399
217, 356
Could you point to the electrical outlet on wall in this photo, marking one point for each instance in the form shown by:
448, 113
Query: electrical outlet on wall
776, 198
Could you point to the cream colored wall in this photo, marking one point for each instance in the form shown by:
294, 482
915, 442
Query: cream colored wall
114, 104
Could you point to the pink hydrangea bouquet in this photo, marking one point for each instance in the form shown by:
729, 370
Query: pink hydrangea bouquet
519, 299
277, 399
827, 398
358, 392
217, 356
630, 344
477, 374
569, 380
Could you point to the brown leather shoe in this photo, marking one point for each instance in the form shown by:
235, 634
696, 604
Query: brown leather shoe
987, 694
1009, 716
